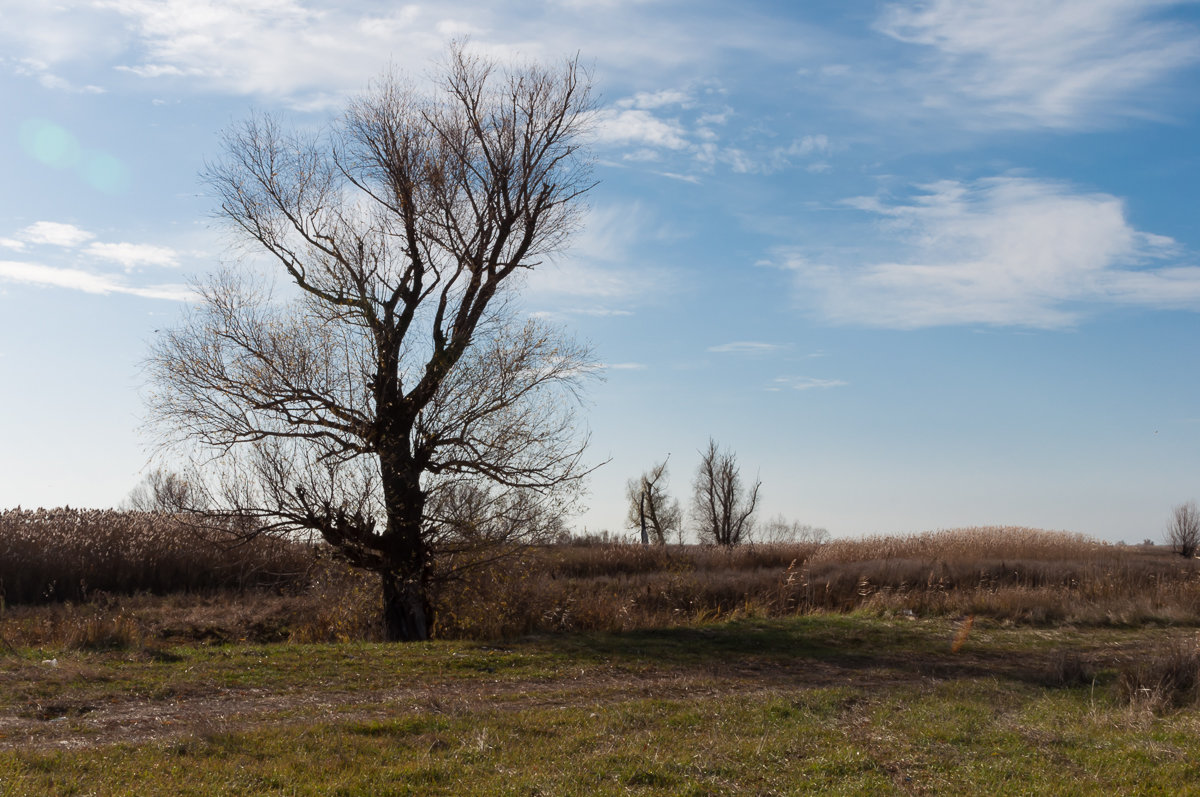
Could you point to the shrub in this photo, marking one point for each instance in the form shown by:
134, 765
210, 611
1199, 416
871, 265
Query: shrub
1183, 530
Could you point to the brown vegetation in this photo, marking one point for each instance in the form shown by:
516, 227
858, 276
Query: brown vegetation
94, 569
51, 555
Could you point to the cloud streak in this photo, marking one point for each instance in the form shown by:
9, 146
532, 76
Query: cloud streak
803, 383
746, 347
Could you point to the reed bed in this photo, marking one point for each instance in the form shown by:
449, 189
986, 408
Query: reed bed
54, 555
1016, 575
98, 571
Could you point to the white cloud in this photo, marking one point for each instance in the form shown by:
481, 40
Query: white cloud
1001, 251
1029, 62
133, 255
746, 347
626, 366
11, 243
639, 128
88, 282
56, 234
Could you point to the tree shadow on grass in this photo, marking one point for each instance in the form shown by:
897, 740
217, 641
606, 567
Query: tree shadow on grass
825, 648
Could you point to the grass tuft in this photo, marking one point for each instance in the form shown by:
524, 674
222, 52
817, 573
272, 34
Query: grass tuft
1168, 680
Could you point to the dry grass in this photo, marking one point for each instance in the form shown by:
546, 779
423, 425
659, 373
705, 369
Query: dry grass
1167, 680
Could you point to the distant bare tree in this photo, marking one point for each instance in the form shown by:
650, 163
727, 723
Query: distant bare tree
721, 509
779, 530
649, 503
1183, 530
163, 490
386, 399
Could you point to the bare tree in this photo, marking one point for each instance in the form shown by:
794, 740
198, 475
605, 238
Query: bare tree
387, 399
722, 509
163, 490
651, 509
781, 530
1183, 529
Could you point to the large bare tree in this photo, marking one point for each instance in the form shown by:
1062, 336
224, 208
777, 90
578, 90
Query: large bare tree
651, 508
381, 393
722, 508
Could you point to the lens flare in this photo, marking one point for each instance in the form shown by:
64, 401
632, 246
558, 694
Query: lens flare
55, 146
106, 173
49, 143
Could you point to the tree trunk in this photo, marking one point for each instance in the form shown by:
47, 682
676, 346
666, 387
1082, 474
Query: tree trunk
407, 615
642, 514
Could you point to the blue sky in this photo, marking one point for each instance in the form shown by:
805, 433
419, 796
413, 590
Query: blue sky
921, 265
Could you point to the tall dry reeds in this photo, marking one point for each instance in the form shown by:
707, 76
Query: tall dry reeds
49, 555
1016, 574
1011, 574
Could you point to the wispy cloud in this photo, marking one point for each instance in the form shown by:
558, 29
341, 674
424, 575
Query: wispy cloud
999, 251
605, 263
133, 255
86, 281
40, 71
689, 129
626, 366
311, 54
85, 264
594, 312
746, 347
1069, 63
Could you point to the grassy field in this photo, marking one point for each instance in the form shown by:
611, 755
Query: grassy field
138, 657
839, 703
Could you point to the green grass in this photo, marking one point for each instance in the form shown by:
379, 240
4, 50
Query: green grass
819, 704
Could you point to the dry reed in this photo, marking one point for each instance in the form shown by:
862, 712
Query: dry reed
1007, 574
51, 555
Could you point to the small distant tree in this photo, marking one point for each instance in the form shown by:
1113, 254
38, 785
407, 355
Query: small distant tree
781, 530
649, 503
722, 509
1183, 530
162, 490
